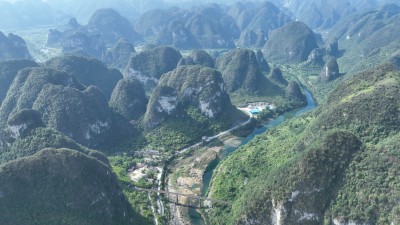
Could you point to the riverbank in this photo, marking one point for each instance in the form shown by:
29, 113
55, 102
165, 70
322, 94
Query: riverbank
192, 172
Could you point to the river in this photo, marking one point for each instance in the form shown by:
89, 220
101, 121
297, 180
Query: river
195, 217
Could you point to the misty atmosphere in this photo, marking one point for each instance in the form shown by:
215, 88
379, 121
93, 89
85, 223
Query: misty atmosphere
183, 112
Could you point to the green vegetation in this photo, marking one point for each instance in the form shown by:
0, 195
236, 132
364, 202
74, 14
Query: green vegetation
36, 38
118, 56
42, 138
252, 160
246, 82
240, 69
197, 27
174, 134
120, 165
9, 70
259, 20
291, 43
185, 87
368, 39
27, 86
128, 99
42, 189
111, 26
374, 175
149, 65
338, 163
88, 71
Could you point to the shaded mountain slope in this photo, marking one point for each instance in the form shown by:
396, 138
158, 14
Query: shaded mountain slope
129, 99
9, 70
43, 189
13, 47
118, 56
290, 44
88, 71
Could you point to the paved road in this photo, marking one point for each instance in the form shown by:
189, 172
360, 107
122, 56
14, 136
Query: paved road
184, 195
220, 134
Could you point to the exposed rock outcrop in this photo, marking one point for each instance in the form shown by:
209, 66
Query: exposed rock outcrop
330, 70
149, 65
22, 122
316, 56
82, 115
262, 62
197, 86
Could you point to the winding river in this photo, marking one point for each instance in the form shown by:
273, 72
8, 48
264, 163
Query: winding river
195, 218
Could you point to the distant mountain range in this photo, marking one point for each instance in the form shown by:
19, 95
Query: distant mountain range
132, 78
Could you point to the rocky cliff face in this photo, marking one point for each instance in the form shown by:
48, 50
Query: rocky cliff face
163, 103
13, 47
197, 86
330, 70
290, 44
314, 183
262, 62
23, 122
149, 65
316, 56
